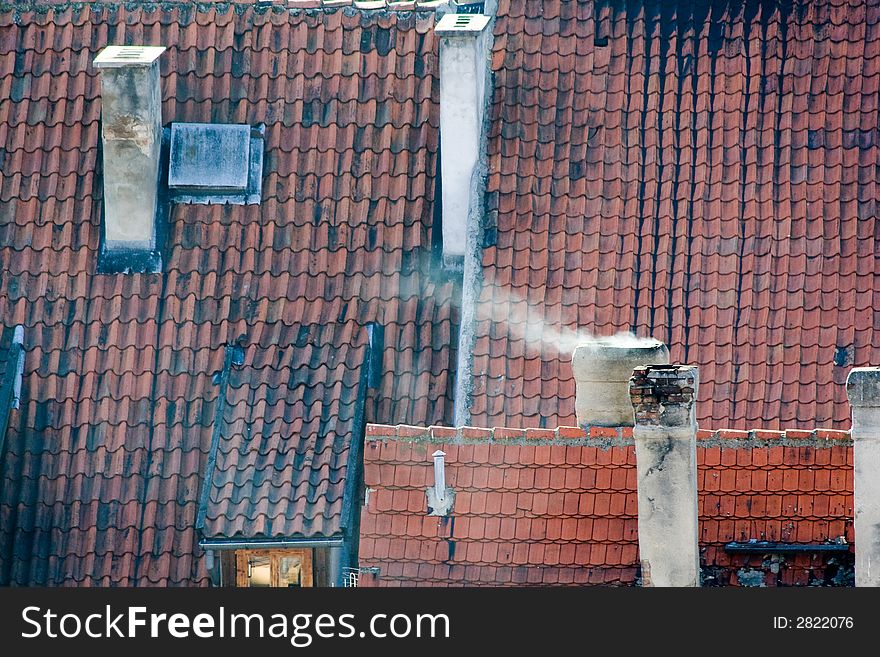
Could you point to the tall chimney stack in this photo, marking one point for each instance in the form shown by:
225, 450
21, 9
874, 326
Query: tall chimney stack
463, 71
602, 369
465, 43
863, 390
131, 137
665, 434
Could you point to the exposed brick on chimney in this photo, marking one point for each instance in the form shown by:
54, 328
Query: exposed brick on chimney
653, 389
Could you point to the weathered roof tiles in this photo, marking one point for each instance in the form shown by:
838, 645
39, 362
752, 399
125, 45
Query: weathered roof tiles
101, 477
700, 173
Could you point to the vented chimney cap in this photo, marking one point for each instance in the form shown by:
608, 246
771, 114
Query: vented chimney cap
461, 24
119, 56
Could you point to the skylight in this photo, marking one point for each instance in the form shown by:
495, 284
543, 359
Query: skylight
215, 163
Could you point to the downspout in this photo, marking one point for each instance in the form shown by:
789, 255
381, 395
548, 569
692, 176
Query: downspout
346, 555
10, 383
215, 437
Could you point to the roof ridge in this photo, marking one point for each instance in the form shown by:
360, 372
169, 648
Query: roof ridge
577, 435
222, 7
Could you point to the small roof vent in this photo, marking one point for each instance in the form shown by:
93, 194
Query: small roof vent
215, 163
116, 56
461, 24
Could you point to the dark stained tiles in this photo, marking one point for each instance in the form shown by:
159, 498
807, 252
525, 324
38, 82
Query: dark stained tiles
290, 415
707, 177
103, 467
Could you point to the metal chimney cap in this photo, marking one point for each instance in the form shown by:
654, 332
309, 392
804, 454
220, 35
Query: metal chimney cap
119, 56
462, 25
438, 453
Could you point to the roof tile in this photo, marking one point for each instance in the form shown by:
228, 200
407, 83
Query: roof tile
124, 361
579, 515
585, 250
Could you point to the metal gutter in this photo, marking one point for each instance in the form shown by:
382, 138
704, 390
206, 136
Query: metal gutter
281, 543
369, 377
768, 547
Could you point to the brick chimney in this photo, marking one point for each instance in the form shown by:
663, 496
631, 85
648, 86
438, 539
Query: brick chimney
602, 369
131, 137
863, 390
666, 463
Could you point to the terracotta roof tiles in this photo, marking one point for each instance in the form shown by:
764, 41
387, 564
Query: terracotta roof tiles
103, 466
569, 515
701, 173
284, 445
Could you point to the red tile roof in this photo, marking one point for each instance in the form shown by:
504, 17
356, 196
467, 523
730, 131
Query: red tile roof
561, 508
101, 477
10, 368
724, 204
704, 173
284, 442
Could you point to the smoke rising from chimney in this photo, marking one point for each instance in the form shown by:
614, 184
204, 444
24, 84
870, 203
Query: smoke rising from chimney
525, 321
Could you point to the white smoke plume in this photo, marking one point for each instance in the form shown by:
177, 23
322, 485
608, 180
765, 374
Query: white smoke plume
526, 322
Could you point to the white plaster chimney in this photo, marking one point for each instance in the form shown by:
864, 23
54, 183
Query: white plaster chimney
463, 71
131, 136
665, 434
602, 369
863, 390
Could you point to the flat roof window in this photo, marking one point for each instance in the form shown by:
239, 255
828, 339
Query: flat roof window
215, 163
